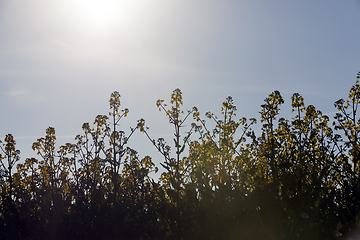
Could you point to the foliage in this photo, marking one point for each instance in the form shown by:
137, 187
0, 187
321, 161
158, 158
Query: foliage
297, 178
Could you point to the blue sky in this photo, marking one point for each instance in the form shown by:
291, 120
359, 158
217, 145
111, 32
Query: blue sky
60, 60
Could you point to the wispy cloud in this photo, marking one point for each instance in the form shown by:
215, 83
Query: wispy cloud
16, 93
23, 96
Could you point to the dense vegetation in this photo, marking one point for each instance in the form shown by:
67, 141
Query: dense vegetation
296, 179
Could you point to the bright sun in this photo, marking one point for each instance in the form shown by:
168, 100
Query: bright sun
107, 13
98, 12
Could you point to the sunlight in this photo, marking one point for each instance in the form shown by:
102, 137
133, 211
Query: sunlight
98, 12
101, 28
100, 15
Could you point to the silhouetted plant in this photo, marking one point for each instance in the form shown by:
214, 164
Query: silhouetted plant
174, 180
298, 179
348, 122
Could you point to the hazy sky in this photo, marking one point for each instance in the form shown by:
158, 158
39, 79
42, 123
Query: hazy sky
60, 60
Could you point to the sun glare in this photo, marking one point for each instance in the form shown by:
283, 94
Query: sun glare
98, 12
106, 14
103, 29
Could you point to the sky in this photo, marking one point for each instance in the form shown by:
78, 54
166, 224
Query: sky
60, 60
